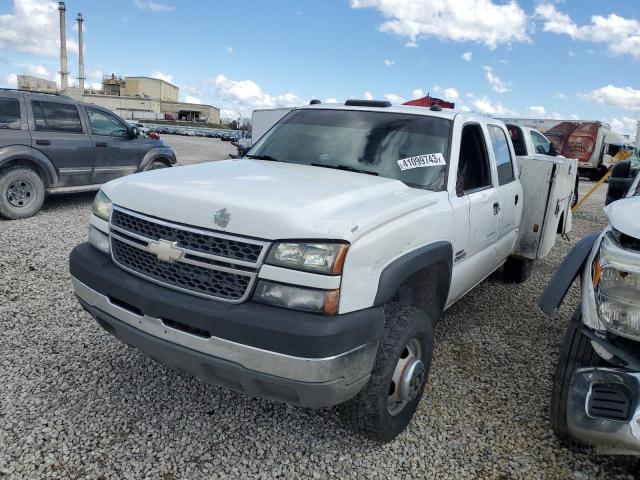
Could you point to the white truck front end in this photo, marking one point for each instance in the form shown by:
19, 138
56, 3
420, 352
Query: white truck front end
312, 270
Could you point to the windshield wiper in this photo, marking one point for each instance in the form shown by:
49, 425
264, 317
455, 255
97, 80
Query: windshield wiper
347, 168
263, 157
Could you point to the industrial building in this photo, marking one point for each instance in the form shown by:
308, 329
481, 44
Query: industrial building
130, 97
146, 98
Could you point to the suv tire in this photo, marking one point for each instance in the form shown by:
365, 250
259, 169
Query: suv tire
156, 165
404, 353
576, 352
21, 193
517, 270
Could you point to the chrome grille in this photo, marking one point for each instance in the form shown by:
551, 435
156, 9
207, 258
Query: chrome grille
189, 239
200, 262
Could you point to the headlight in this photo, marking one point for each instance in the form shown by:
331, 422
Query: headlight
616, 280
327, 258
102, 206
298, 298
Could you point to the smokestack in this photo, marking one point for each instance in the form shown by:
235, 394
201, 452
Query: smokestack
80, 53
64, 73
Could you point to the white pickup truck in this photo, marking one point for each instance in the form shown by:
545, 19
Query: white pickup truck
313, 270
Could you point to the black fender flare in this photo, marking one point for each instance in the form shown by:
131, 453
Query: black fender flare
395, 274
567, 272
12, 153
155, 153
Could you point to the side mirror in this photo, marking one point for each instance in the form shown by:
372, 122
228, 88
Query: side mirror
620, 182
134, 132
552, 149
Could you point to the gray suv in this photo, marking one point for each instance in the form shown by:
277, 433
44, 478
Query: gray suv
53, 144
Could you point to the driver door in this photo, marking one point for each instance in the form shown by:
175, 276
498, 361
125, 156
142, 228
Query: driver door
116, 153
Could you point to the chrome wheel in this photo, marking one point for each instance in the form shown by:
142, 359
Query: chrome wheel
20, 193
408, 378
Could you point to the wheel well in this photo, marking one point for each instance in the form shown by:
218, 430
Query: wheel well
426, 290
163, 160
29, 164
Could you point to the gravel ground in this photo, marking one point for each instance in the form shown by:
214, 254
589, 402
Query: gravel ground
76, 403
199, 149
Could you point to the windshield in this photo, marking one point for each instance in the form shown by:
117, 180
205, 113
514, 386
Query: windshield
411, 148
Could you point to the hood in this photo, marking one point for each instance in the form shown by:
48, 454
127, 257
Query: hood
269, 200
623, 216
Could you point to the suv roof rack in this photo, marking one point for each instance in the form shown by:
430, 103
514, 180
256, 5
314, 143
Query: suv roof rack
367, 103
55, 94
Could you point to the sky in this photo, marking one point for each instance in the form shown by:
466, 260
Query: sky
572, 59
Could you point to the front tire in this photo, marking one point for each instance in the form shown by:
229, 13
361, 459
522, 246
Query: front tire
386, 405
21, 193
576, 352
156, 165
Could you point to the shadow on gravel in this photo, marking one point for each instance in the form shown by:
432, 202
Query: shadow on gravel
53, 202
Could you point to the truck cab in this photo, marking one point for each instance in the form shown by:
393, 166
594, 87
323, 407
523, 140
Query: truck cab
312, 271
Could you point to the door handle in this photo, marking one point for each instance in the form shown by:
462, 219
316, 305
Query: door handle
496, 208
43, 142
101, 144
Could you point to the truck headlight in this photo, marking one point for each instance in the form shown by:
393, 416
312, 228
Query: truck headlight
616, 281
102, 206
317, 257
297, 298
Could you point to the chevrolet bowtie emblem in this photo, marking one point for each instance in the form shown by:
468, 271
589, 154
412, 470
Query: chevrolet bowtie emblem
165, 250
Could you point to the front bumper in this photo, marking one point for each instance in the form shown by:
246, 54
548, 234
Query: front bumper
298, 358
603, 408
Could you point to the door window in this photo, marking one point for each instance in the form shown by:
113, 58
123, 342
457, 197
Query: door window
10, 113
517, 138
56, 117
502, 153
474, 171
105, 124
540, 144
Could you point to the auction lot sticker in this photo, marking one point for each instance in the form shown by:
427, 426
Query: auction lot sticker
420, 161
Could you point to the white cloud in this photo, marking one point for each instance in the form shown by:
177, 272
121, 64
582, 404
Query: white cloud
246, 95
465, 108
411, 44
192, 99
388, 62
467, 56
11, 80
486, 106
625, 125
560, 95
231, 50
620, 35
162, 76
450, 94
395, 99
574, 116
536, 110
330, 100
153, 6
417, 93
32, 27
367, 96
481, 21
497, 84
622, 97
38, 71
